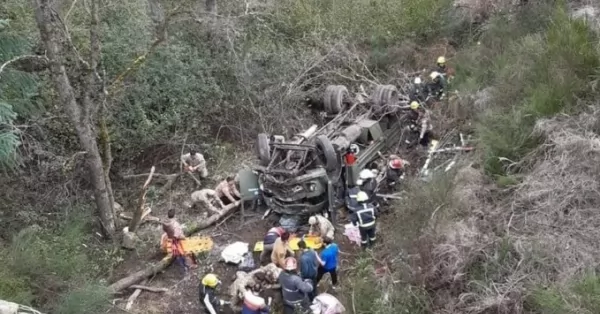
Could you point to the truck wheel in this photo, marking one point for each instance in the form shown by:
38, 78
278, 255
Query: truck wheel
334, 98
264, 152
384, 94
327, 153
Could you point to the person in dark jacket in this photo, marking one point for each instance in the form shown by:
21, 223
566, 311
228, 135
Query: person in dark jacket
367, 183
351, 203
309, 263
294, 290
208, 296
441, 65
395, 170
365, 219
418, 91
437, 85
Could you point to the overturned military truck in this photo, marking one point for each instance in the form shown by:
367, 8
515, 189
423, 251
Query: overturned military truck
307, 173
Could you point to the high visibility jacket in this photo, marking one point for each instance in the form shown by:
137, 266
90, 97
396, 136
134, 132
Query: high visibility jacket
369, 187
294, 289
365, 217
272, 235
351, 201
209, 299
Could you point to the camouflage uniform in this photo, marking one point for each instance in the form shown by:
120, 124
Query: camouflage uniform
207, 197
196, 160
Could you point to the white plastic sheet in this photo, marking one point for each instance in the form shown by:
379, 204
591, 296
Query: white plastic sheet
234, 253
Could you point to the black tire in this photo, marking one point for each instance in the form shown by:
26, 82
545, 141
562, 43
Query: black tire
384, 94
264, 151
328, 154
334, 98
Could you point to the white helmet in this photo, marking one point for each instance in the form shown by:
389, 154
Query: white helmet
434, 75
359, 182
312, 220
362, 197
366, 174
417, 80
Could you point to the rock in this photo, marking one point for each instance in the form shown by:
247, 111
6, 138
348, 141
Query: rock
129, 239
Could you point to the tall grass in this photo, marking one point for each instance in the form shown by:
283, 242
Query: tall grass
535, 73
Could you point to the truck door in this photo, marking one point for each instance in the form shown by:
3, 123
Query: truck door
249, 187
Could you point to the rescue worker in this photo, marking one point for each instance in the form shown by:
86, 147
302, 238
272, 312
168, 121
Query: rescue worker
421, 122
418, 91
293, 288
208, 294
269, 240
227, 191
350, 156
320, 226
351, 203
325, 303
209, 199
436, 85
441, 65
395, 170
368, 184
281, 250
194, 161
253, 302
365, 219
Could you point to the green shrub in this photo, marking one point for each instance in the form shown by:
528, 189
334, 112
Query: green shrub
582, 296
90, 298
535, 75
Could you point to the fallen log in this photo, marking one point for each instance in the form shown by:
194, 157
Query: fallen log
151, 270
151, 289
147, 218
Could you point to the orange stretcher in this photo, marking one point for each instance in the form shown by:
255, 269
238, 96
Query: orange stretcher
313, 242
193, 245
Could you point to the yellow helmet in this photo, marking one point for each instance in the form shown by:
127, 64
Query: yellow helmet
441, 60
210, 280
362, 197
414, 105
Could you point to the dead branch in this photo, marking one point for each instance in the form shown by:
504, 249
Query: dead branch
133, 297
15, 59
137, 215
151, 289
146, 218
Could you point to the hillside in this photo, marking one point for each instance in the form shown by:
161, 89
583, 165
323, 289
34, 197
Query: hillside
511, 229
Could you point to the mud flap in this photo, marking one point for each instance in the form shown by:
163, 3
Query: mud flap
249, 187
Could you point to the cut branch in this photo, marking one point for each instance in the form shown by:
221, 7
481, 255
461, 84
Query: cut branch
7, 307
133, 297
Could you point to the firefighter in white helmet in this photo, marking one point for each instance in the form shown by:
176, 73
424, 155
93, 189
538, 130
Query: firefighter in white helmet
367, 183
365, 219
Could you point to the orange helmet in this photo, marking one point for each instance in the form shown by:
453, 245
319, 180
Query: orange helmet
290, 263
396, 164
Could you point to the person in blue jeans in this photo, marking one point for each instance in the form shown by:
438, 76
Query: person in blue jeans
309, 264
329, 256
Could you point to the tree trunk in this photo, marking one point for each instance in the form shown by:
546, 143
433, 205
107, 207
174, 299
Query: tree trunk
79, 113
7, 307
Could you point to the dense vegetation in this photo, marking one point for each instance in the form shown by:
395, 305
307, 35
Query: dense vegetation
175, 73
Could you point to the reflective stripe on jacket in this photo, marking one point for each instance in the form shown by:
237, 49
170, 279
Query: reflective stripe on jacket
294, 289
366, 216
